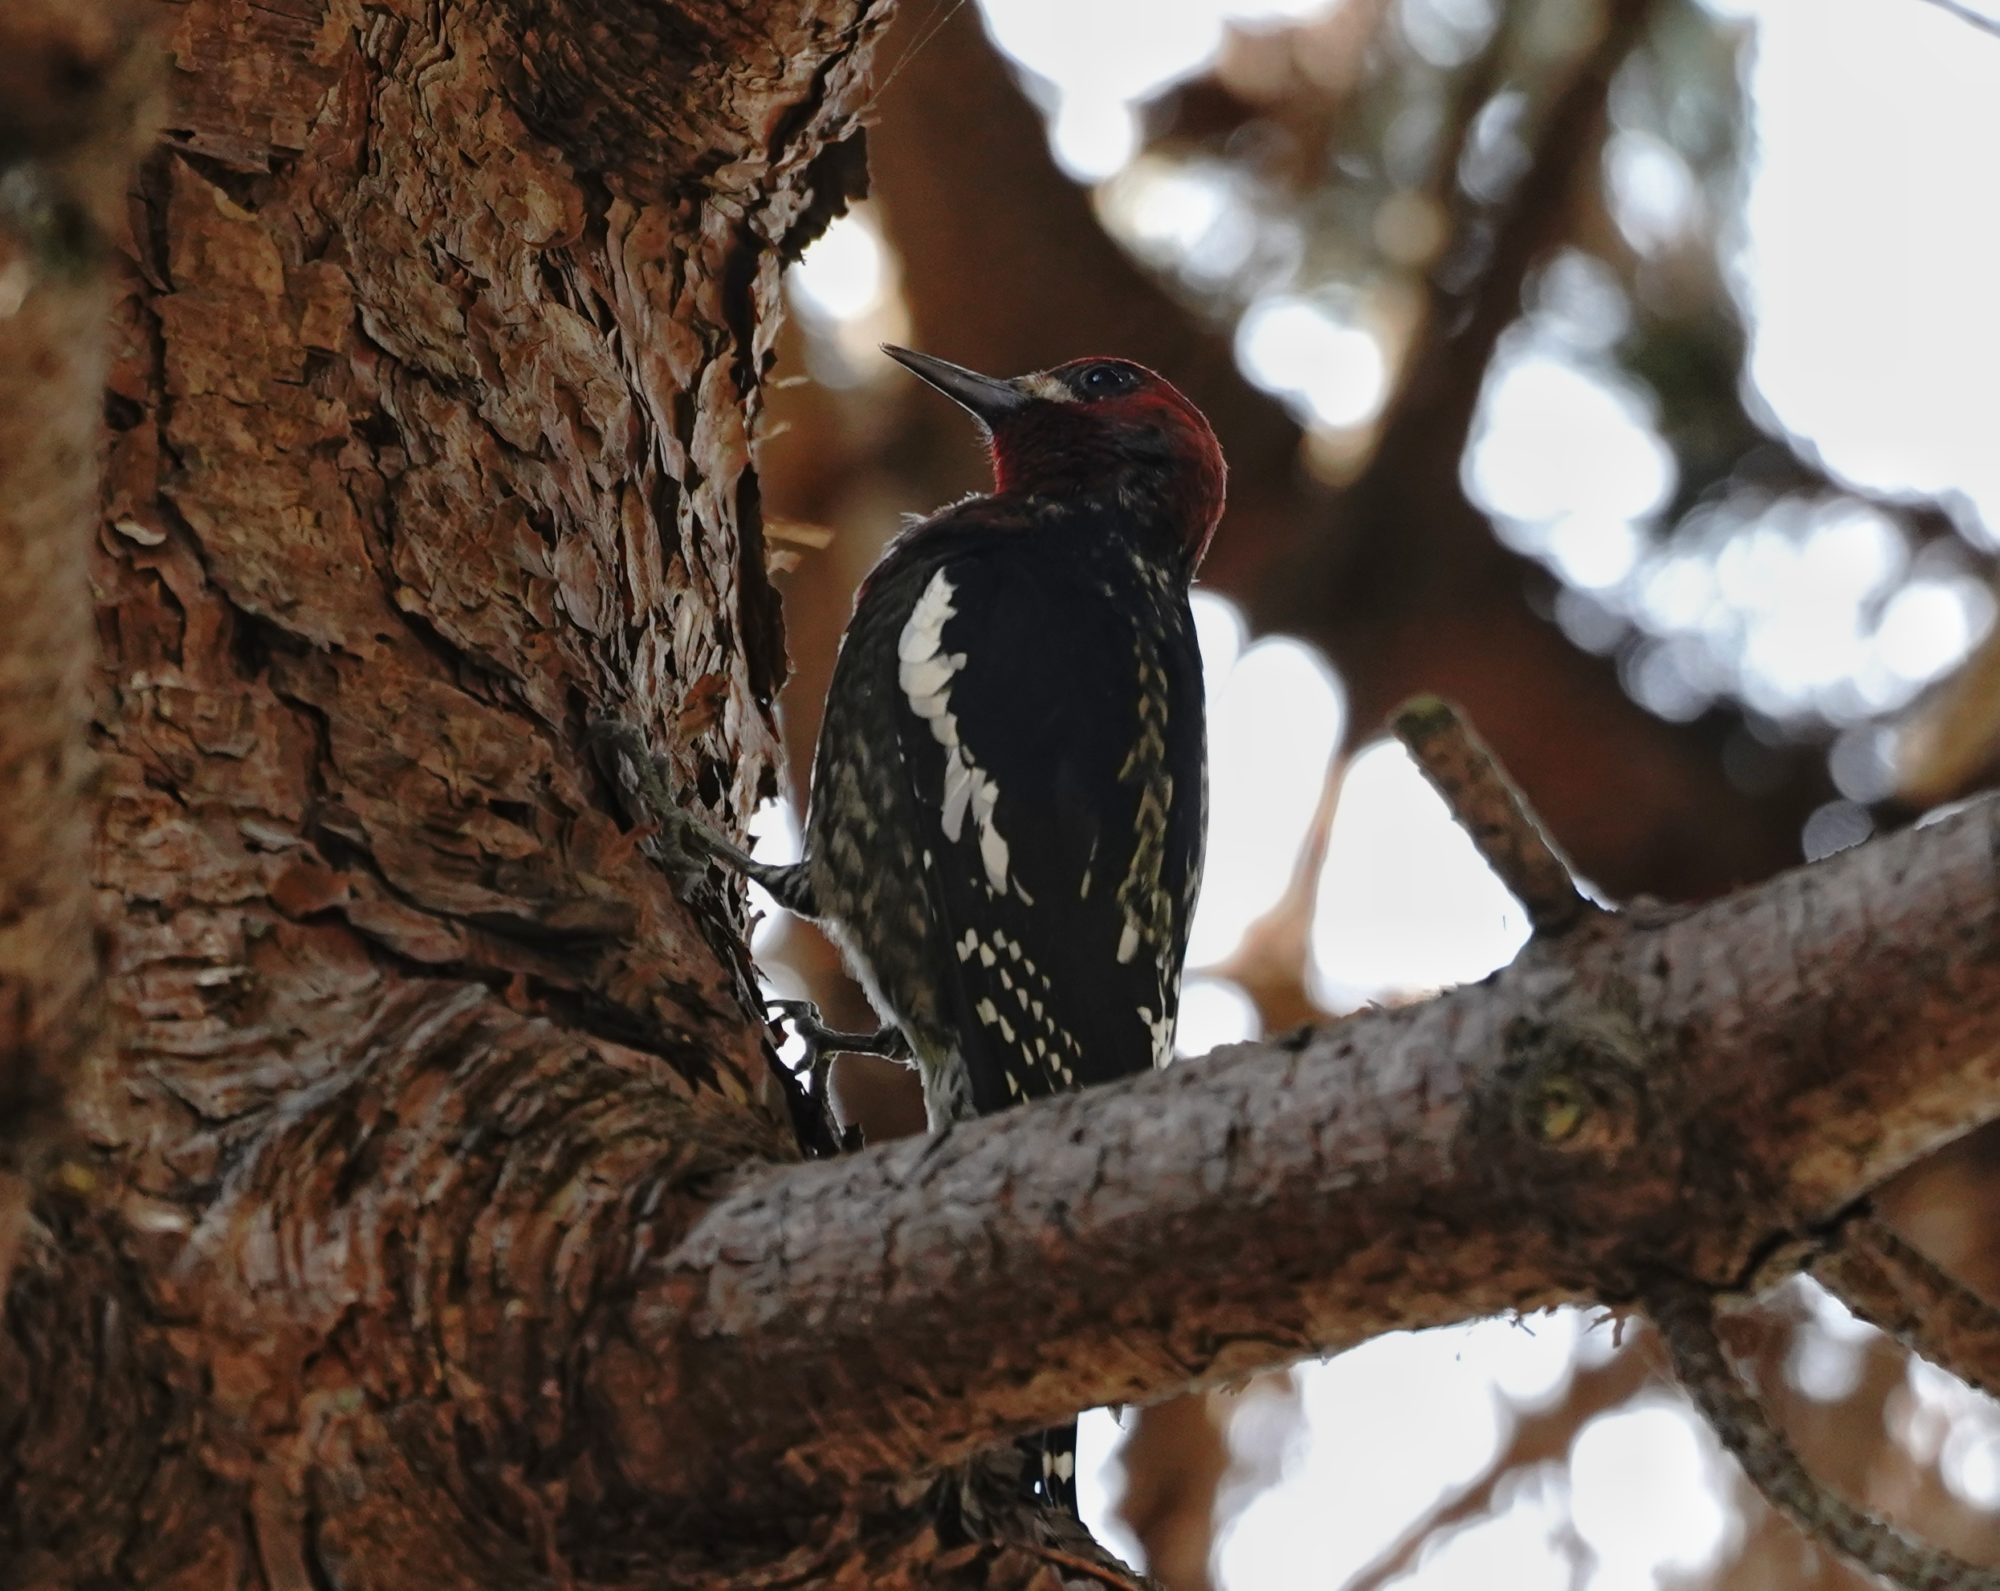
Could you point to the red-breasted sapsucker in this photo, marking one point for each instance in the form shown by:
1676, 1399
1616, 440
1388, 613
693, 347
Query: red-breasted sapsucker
1008, 797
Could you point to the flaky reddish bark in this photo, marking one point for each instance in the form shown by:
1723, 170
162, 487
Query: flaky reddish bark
436, 367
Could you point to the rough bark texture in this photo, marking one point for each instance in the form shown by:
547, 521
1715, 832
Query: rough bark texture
420, 1215
1699, 1094
435, 369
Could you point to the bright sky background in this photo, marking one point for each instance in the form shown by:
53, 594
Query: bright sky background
1870, 266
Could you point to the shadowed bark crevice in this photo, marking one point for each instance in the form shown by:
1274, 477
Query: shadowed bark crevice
77, 85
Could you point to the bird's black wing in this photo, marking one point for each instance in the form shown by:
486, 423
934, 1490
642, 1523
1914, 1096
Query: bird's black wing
1050, 716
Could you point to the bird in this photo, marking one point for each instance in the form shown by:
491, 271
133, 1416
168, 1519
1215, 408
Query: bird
1007, 815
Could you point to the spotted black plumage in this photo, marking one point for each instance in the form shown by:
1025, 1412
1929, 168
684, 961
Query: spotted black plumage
1015, 729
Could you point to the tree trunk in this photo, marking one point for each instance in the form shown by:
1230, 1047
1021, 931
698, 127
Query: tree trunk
434, 374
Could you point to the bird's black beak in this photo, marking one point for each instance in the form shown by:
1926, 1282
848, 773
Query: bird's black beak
987, 397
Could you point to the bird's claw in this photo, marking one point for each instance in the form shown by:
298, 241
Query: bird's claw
822, 1043
886, 1041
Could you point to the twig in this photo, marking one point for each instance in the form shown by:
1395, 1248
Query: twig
1897, 1289
1493, 812
1541, 1435
1969, 15
1685, 1314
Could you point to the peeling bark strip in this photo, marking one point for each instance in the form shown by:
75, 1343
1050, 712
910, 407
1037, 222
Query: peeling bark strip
1685, 1093
74, 86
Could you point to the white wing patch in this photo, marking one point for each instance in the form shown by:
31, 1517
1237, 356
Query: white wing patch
925, 672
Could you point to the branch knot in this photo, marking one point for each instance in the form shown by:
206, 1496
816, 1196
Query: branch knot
1576, 1085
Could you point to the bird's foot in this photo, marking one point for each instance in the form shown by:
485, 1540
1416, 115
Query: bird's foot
823, 1043
886, 1041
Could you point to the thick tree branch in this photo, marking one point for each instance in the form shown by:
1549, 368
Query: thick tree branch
1679, 1093
1495, 815
427, 1198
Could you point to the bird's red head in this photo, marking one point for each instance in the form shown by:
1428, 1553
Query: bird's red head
1095, 425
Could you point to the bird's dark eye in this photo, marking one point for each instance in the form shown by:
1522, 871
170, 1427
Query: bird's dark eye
1106, 380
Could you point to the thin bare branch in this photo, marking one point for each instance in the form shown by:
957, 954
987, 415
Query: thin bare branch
1541, 1435
1494, 814
1685, 1314
1985, 21
1898, 1289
